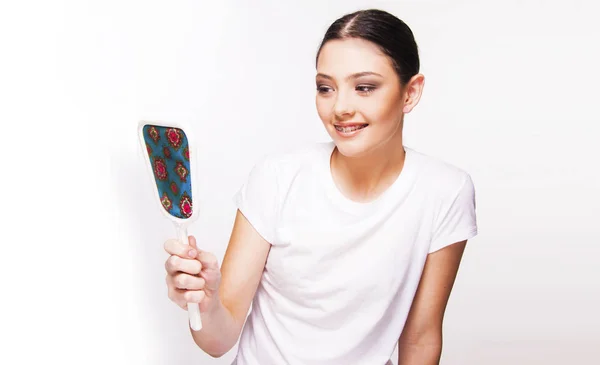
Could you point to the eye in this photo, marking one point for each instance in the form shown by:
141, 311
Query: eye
322, 89
365, 89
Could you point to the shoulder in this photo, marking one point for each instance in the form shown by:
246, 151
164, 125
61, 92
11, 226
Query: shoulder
290, 161
438, 176
274, 173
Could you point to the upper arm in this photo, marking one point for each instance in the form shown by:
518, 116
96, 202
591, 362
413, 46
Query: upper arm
253, 233
424, 322
455, 224
242, 267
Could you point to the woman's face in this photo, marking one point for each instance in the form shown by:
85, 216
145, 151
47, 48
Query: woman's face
359, 96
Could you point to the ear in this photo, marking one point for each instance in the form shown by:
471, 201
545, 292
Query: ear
412, 92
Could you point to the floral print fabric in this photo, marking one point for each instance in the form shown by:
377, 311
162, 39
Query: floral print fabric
169, 156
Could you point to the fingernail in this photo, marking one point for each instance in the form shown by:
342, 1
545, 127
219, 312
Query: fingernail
192, 253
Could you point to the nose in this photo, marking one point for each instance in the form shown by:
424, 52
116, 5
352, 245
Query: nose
343, 107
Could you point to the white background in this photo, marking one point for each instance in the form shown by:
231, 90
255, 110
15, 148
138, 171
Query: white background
511, 96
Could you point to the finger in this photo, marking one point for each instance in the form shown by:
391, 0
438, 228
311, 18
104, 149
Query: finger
208, 260
188, 282
175, 264
176, 247
212, 280
177, 296
192, 241
183, 297
193, 296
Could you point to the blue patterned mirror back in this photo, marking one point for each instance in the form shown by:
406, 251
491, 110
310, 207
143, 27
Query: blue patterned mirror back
169, 155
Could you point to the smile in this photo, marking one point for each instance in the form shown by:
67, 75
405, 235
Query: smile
351, 128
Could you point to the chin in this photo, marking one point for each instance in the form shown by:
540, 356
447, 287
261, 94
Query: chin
351, 148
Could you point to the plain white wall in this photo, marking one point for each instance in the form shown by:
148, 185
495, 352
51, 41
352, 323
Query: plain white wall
511, 96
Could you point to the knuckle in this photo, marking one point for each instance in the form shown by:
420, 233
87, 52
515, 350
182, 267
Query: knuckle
173, 262
181, 281
197, 268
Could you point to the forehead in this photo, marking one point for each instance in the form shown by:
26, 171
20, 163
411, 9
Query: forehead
341, 57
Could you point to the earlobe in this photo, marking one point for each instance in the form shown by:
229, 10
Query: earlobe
406, 106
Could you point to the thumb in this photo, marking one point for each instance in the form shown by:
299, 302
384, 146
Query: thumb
192, 242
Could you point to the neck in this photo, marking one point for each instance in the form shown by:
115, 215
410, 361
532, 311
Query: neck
364, 177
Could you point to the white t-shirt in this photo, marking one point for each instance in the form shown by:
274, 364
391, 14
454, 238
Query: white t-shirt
341, 275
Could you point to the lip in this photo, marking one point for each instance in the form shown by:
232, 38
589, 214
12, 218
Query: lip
349, 124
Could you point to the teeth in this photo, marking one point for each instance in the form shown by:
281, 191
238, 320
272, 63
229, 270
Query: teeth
350, 129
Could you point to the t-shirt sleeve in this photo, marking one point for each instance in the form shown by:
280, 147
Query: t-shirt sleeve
457, 221
257, 198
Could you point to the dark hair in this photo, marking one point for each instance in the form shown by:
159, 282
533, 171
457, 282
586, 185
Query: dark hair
388, 32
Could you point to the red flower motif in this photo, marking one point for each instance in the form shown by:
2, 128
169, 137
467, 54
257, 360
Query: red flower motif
167, 152
181, 171
175, 137
160, 169
149, 149
166, 202
186, 153
174, 188
185, 205
153, 133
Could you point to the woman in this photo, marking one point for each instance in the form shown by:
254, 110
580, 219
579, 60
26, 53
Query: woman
346, 248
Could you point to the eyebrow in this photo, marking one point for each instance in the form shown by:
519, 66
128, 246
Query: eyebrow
353, 76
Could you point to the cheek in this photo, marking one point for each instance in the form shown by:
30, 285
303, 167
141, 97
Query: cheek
382, 111
324, 109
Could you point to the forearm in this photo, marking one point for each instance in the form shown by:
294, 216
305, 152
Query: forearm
219, 332
420, 352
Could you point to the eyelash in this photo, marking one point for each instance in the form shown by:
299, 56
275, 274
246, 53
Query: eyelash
367, 88
364, 89
322, 89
